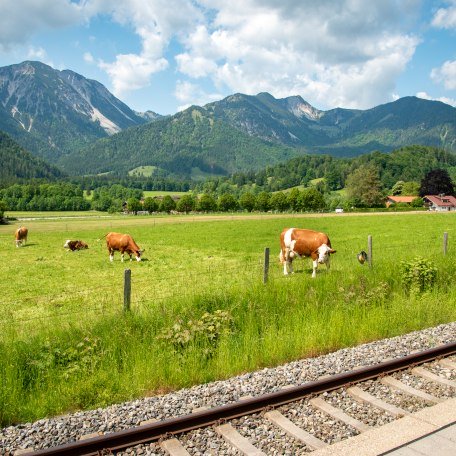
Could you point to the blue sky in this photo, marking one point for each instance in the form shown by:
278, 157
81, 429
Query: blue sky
165, 55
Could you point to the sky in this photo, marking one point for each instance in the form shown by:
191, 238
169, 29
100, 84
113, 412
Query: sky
166, 55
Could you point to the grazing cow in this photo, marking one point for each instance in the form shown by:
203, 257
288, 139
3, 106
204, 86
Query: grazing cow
21, 236
123, 243
295, 242
75, 245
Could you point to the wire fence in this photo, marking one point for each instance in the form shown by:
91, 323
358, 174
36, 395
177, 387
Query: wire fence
134, 289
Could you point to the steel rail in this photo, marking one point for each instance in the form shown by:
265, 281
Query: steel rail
155, 431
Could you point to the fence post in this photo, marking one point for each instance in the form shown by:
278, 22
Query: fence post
266, 265
369, 250
445, 242
127, 290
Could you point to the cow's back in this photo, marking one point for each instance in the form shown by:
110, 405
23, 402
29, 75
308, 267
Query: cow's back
120, 241
21, 233
303, 241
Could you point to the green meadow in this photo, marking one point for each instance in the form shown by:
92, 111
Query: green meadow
199, 308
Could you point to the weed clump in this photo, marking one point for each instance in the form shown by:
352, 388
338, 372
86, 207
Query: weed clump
418, 275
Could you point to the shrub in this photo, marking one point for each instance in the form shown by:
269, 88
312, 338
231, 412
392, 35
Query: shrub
206, 330
418, 275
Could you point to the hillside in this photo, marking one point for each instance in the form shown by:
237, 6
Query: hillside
77, 124
52, 112
193, 141
18, 164
242, 133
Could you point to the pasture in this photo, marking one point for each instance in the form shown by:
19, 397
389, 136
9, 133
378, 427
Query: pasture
199, 308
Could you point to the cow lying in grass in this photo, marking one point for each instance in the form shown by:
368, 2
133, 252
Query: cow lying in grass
296, 242
75, 245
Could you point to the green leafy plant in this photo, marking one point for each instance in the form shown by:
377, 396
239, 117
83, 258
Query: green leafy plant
206, 331
418, 275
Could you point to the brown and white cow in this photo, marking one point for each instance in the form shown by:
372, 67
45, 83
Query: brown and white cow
295, 242
21, 236
75, 245
122, 243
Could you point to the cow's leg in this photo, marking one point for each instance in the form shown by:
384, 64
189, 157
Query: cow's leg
111, 255
314, 269
327, 262
287, 267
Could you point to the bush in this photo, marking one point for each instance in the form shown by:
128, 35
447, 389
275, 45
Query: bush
418, 275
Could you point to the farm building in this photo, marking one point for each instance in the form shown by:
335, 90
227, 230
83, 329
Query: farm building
440, 202
399, 199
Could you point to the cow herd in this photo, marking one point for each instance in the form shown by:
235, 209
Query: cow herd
294, 243
119, 242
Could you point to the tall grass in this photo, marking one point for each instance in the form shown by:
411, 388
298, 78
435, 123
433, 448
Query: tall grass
65, 343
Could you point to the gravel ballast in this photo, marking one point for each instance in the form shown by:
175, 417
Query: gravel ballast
68, 428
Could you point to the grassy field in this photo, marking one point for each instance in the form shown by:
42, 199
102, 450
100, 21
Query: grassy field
199, 308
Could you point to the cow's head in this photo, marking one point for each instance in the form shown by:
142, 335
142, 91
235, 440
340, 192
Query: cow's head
323, 253
138, 254
67, 244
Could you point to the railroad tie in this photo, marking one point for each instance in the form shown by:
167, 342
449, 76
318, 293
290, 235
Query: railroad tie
290, 428
445, 362
363, 396
338, 414
398, 385
238, 441
174, 448
428, 375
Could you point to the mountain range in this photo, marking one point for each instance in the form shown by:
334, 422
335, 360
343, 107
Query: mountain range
78, 125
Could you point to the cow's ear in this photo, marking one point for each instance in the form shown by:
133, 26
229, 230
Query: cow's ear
332, 251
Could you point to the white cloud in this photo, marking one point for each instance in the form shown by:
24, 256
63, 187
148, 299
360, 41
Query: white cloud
36, 54
130, 71
446, 74
191, 94
156, 23
88, 57
446, 17
425, 96
20, 19
346, 53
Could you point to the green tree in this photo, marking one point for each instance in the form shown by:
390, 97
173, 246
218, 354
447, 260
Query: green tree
150, 204
397, 188
279, 202
133, 205
3, 208
262, 201
364, 187
411, 188
247, 201
311, 200
293, 199
207, 203
227, 202
186, 204
167, 204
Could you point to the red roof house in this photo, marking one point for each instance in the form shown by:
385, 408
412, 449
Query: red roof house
440, 202
392, 199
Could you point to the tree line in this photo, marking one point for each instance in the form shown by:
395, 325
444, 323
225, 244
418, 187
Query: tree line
324, 183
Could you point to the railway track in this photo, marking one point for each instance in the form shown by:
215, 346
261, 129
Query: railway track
257, 425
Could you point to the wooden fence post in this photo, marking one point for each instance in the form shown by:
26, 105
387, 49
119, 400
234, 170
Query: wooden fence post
266, 265
127, 290
445, 243
369, 250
